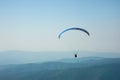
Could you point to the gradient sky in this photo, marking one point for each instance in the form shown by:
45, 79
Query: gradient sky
33, 25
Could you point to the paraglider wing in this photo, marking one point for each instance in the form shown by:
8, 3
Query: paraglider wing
59, 36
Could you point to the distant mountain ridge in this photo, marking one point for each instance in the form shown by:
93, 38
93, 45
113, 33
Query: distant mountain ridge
68, 63
23, 57
88, 68
78, 60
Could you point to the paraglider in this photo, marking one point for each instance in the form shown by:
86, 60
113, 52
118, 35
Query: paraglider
74, 28
75, 55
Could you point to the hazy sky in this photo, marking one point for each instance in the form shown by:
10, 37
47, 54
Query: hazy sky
33, 25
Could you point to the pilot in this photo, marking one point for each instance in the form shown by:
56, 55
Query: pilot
75, 55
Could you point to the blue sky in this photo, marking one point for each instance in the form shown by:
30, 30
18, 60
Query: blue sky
33, 25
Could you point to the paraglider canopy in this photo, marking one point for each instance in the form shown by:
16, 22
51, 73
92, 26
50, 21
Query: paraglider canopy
73, 28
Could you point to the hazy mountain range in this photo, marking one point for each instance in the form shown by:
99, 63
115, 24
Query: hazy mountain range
88, 68
20, 57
